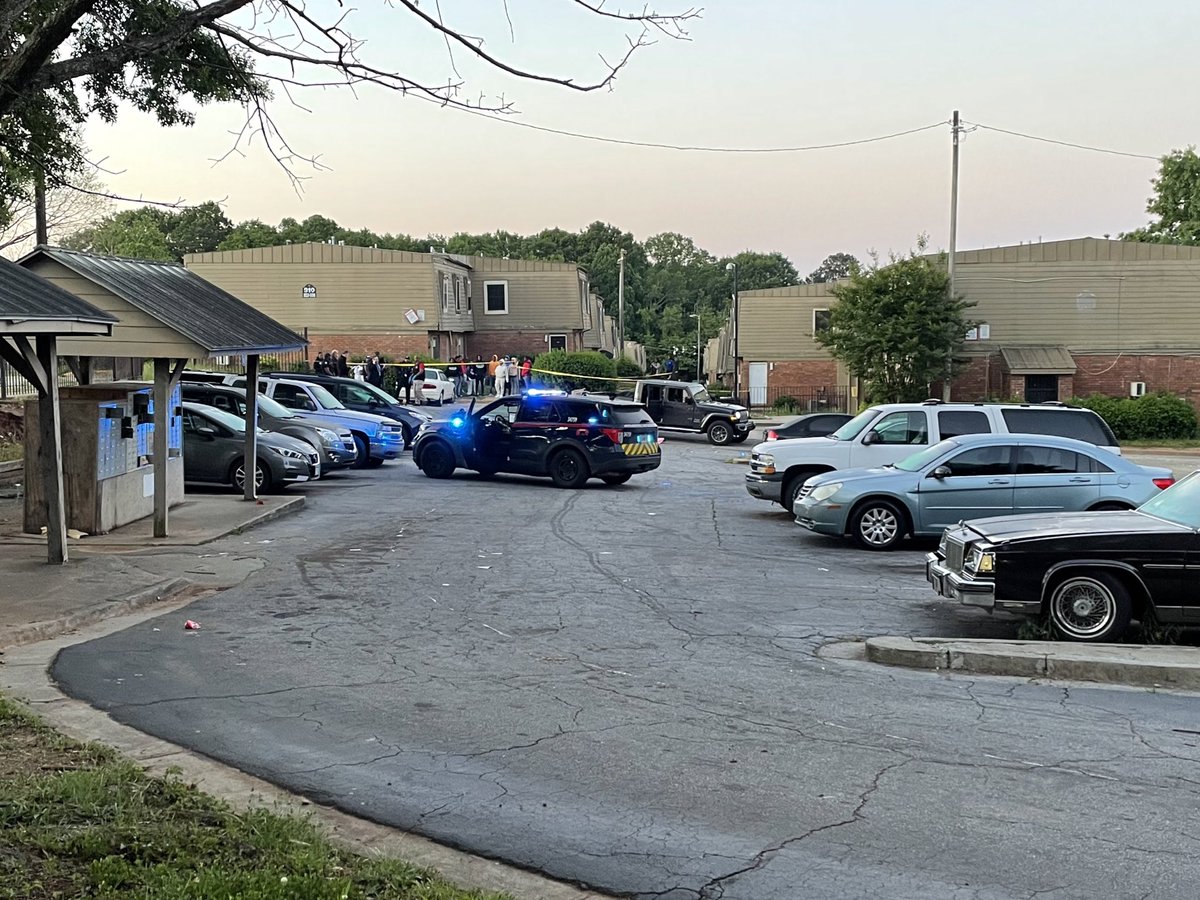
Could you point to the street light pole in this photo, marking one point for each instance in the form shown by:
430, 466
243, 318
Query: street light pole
699, 373
737, 362
621, 309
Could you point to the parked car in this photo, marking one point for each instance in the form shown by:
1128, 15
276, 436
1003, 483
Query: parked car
365, 397
568, 438
888, 433
810, 425
436, 388
377, 438
972, 477
214, 445
1090, 573
685, 406
332, 441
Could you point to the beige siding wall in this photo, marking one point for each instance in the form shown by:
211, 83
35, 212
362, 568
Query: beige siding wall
778, 324
453, 314
136, 334
1131, 305
541, 296
351, 297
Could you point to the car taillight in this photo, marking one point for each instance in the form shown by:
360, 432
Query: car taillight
429, 387
772, 436
1163, 483
613, 434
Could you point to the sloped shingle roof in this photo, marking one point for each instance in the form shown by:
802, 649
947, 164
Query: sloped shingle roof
1050, 359
180, 299
25, 296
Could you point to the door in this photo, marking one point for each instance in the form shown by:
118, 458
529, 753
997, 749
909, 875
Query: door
493, 434
1041, 388
1052, 480
890, 438
654, 396
537, 425
979, 485
203, 455
678, 409
758, 384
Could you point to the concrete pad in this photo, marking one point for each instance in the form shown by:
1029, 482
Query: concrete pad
1128, 664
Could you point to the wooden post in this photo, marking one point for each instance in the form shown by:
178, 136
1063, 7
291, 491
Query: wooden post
251, 459
50, 428
161, 454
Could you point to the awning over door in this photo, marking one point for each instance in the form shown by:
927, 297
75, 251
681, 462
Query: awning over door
1047, 359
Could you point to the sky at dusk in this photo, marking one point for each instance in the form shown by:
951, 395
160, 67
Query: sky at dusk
755, 73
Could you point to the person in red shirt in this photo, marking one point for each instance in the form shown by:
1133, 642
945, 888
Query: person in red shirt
526, 367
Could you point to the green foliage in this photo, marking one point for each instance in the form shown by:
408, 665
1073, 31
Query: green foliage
627, 368
1176, 201
896, 327
580, 364
1158, 416
198, 229
835, 267
785, 405
135, 233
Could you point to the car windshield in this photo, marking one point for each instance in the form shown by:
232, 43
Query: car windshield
854, 427
228, 419
372, 392
273, 408
325, 398
700, 395
1179, 503
919, 460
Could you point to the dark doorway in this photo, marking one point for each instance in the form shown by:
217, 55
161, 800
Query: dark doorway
1041, 388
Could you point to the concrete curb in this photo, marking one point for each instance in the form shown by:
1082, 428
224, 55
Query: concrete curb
163, 591
1127, 664
290, 506
26, 676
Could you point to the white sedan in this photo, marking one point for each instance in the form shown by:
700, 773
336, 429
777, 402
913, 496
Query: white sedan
436, 388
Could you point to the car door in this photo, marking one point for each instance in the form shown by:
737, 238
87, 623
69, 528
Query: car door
1050, 479
538, 423
890, 438
492, 436
653, 398
293, 396
973, 484
203, 456
677, 410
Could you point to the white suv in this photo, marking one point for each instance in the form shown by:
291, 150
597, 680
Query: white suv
888, 433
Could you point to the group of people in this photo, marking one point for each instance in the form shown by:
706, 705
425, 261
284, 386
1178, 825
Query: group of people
500, 375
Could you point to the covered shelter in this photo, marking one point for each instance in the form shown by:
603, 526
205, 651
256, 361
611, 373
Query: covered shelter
167, 313
35, 315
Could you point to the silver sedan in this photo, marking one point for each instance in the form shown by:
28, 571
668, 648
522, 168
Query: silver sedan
973, 477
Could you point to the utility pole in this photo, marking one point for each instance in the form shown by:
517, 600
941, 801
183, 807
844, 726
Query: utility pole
955, 132
621, 309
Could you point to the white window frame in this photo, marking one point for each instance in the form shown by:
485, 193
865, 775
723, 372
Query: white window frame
457, 294
550, 340
495, 312
819, 309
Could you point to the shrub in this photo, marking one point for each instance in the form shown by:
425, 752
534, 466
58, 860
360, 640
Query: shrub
1159, 416
627, 368
580, 365
785, 404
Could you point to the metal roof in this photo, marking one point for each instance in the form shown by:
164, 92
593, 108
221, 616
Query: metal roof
199, 310
26, 297
1050, 359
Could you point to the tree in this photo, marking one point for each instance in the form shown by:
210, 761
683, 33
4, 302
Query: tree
835, 267
897, 327
62, 61
757, 271
135, 233
249, 234
67, 210
1176, 201
198, 229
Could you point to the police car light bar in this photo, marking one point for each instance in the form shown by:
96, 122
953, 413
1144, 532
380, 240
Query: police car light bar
545, 392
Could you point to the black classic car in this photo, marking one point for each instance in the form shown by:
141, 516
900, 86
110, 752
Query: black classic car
1090, 573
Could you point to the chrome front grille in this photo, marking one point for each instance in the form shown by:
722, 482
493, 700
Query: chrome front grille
954, 554
804, 492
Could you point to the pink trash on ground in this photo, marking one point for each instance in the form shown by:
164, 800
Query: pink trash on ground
189, 625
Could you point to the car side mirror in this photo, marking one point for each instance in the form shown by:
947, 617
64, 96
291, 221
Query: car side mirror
309, 406
941, 472
871, 437
207, 433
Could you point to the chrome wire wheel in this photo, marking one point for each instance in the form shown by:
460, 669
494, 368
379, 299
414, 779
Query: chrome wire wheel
879, 526
1083, 608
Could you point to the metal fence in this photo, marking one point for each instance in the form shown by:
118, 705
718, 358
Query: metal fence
292, 361
13, 385
797, 399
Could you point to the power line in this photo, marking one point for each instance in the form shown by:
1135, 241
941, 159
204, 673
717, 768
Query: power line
1046, 140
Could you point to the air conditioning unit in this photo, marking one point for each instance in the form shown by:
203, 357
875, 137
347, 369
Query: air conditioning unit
1137, 388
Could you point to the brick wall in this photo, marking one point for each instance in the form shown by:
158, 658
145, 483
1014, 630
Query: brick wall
393, 346
515, 343
1112, 374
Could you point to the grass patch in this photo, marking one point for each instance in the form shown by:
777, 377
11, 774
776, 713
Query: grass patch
10, 450
78, 820
1173, 444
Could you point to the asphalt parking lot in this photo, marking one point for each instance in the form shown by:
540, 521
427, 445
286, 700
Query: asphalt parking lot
624, 687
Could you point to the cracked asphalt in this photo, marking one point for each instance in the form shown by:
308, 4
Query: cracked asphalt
621, 687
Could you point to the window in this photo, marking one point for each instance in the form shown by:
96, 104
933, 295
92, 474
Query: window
820, 321
629, 415
982, 461
292, 397
223, 401
557, 341
540, 411
1081, 424
953, 423
581, 412
445, 292
902, 428
654, 393
458, 295
676, 395
495, 298
1052, 461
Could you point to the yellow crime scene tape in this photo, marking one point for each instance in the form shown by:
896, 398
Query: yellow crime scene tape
628, 379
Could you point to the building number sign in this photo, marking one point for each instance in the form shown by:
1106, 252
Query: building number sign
309, 292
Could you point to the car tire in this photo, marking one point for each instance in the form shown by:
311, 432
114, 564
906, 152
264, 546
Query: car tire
568, 469
437, 460
616, 478
262, 477
878, 525
719, 433
374, 462
791, 488
1090, 607
364, 451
